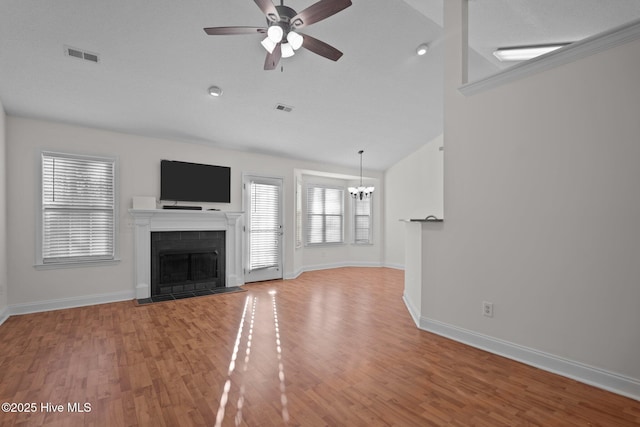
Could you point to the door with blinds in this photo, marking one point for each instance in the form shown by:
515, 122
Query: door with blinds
263, 229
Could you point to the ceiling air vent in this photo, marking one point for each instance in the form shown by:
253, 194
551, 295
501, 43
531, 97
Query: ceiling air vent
90, 57
74, 52
284, 108
81, 54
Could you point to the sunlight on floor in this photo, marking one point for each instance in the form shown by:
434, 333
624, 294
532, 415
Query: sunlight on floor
251, 304
283, 394
232, 364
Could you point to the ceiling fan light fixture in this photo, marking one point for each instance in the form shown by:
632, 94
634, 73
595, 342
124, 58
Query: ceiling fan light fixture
287, 50
268, 44
295, 40
275, 33
422, 49
282, 20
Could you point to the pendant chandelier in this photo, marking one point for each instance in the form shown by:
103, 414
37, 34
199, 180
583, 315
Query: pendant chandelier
361, 192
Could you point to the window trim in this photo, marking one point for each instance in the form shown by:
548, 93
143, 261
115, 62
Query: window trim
39, 227
306, 215
299, 233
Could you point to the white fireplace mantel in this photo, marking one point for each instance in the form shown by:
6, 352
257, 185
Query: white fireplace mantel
147, 221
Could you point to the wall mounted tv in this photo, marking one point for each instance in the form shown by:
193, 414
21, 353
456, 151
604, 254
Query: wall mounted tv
194, 182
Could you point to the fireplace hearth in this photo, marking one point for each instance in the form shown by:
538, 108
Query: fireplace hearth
183, 261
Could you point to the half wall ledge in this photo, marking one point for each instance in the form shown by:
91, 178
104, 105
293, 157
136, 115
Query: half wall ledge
413, 269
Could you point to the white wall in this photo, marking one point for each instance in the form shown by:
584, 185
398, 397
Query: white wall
542, 208
139, 175
413, 189
3, 215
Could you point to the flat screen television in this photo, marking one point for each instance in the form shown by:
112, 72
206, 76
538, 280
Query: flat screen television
194, 182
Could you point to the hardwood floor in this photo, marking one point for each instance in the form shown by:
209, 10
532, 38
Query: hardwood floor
331, 348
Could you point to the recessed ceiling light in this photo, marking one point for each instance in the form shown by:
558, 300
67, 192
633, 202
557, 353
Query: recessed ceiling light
215, 91
524, 53
422, 49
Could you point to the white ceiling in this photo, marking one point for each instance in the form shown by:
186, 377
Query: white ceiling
156, 64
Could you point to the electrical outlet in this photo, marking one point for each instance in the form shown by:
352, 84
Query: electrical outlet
487, 308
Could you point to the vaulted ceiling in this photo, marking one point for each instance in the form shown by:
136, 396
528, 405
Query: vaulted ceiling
156, 64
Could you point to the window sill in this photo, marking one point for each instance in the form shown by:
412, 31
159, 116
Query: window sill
320, 245
80, 264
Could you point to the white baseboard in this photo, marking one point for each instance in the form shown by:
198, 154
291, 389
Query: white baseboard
415, 314
294, 275
4, 315
394, 266
329, 266
58, 304
600, 378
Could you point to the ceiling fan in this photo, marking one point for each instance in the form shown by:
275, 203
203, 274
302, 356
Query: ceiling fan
283, 23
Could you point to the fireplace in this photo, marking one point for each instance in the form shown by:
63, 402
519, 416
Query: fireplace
183, 261
148, 221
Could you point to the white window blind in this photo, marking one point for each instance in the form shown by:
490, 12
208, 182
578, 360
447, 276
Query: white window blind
362, 220
78, 208
264, 226
325, 213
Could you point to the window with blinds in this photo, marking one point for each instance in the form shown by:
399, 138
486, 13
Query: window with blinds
78, 208
264, 226
325, 215
362, 220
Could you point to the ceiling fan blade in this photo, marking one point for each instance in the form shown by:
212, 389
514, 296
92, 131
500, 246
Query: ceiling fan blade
228, 31
319, 11
320, 48
272, 59
269, 9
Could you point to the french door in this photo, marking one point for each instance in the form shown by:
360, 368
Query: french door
262, 203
